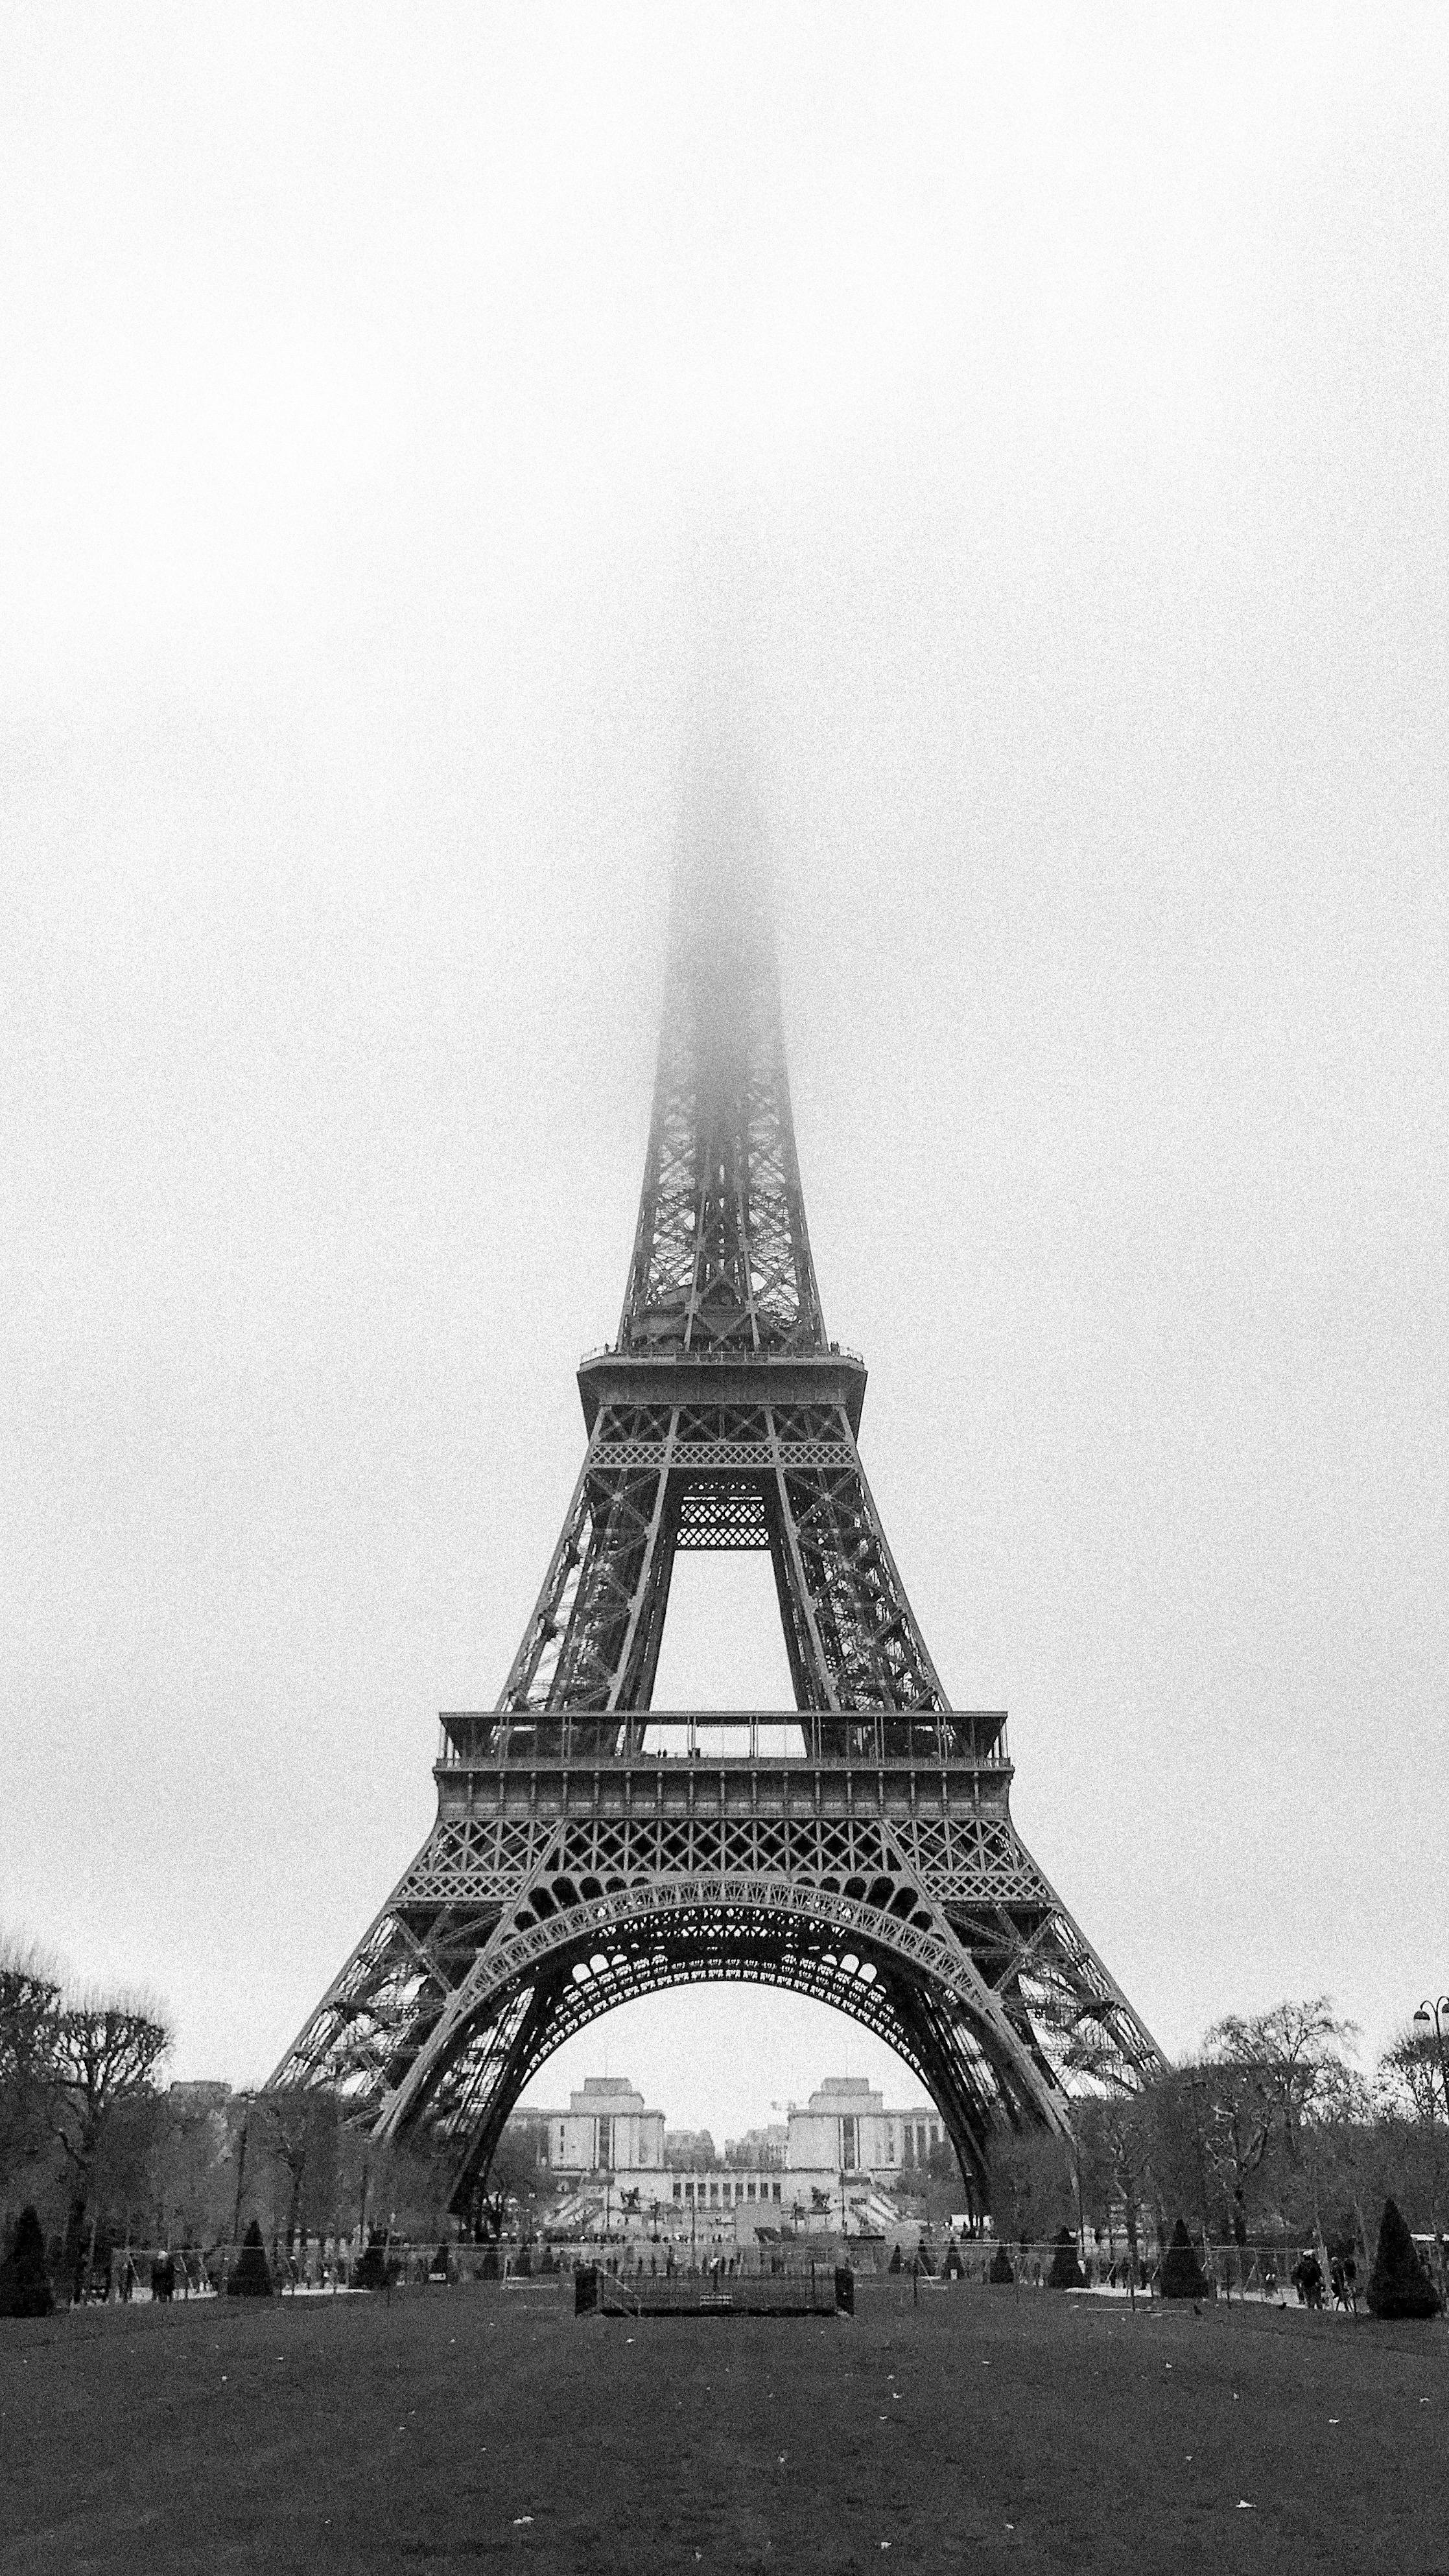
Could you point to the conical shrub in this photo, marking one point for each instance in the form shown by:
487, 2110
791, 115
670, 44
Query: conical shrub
1399, 2284
1182, 2274
251, 2279
1001, 2266
1066, 2272
25, 2289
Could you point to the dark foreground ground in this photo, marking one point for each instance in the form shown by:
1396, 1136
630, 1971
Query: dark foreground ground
985, 2429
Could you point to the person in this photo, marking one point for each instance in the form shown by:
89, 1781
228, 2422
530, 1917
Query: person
1308, 2279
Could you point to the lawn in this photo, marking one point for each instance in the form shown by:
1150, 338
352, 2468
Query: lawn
983, 2429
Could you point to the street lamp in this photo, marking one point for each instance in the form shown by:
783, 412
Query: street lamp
1428, 2018
1198, 2086
241, 2165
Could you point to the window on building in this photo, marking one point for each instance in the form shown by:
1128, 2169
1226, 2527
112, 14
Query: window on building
604, 2151
847, 2144
749, 2191
776, 2191
679, 2191
714, 2191
689, 2191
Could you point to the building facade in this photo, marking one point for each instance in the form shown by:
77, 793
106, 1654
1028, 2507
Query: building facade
845, 2128
606, 2129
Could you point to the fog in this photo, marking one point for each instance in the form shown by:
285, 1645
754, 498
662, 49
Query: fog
400, 413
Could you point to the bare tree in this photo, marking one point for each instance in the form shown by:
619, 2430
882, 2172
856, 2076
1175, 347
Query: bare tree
1409, 2096
103, 2055
29, 1996
1264, 2075
300, 2132
1113, 2137
1290, 2052
513, 2173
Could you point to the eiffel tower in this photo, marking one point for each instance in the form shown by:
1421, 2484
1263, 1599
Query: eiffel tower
857, 1849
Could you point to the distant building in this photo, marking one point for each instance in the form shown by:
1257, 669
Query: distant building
758, 2147
606, 2129
822, 2168
715, 2191
846, 2128
691, 2150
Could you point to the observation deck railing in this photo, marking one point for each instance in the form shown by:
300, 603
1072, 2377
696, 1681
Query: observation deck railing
864, 1739
733, 1352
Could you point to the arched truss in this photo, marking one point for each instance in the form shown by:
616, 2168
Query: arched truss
902, 1974
599, 1957
503, 1939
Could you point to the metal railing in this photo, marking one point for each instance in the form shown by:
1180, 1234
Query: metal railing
867, 1739
737, 1352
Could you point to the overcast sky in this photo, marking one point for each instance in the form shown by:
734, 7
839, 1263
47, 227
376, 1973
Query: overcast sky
394, 406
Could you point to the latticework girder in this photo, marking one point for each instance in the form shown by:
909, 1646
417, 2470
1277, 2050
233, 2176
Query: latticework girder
696, 1474
548, 1892
721, 1251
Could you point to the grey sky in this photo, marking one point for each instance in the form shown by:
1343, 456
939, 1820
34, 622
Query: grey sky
395, 409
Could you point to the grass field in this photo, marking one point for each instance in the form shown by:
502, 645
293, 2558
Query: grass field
985, 2429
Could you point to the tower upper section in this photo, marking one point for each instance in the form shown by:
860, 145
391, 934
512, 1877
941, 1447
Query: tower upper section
721, 1266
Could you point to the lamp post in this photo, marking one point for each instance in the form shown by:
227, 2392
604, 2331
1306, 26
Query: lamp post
241, 2166
1198, 2085
1432, 2017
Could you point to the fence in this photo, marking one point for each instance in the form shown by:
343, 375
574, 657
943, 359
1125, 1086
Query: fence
825, 2290
325, 2267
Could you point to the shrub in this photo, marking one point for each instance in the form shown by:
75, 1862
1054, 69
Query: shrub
1066, 2272
251, 2279
894, 2264
1001, 2266
1399, 2285
1182, 2275
25, 2289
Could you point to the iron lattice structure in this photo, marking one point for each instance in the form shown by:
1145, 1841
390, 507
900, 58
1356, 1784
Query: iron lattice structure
858, 1849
